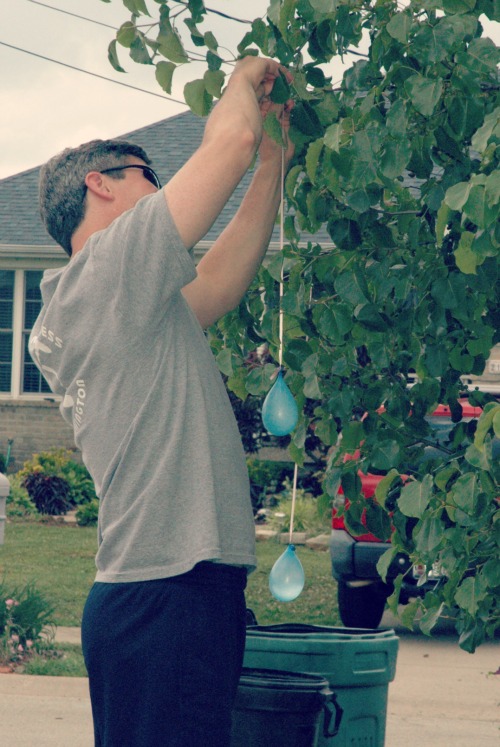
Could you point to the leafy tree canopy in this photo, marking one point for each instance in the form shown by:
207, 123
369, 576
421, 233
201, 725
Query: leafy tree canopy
390, 262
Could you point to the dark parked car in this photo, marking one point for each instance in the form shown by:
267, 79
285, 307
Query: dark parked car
361, 592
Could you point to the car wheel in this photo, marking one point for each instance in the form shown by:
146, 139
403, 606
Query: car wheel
362, 606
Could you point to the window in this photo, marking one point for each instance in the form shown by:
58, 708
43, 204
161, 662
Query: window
6, 327
20, 303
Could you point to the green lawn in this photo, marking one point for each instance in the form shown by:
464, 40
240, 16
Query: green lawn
59, 559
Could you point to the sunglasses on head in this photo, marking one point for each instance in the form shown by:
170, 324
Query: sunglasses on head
148, 172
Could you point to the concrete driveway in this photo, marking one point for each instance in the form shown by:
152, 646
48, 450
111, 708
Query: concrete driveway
441, 695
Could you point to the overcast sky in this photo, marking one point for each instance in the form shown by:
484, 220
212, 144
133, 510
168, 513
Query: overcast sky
46, 107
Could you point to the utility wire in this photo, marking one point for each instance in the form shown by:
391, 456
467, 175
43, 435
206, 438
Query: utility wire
75, 15
94, 75
209, 10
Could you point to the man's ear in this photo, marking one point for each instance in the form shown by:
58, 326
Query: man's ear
96, 184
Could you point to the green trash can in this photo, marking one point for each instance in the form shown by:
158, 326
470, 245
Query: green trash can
358, 664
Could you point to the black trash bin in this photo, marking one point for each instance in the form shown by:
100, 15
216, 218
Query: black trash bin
282, 709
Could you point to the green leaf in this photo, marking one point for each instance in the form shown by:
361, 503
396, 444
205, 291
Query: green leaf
113, 57
138, 7
280, 93
490, 128
470, 593
430, 618
477, 208
214, 80
350, 288
466, 259
369, 317
482, 57
273, 128
492, 188
384, 562
236, 384
429, 535
484, 424
313, 158
225, 362
385, 484
214, 62
457, 196
396, 120
323, 6
415, 497
164, 73
170, 44
197, 97
464, 493
126, 34
378, 521
305, 119
333, 135
399, 27
210, 41
491, 573
425, 93
395, 157
458, 6
358, 200
258, 380
352, 436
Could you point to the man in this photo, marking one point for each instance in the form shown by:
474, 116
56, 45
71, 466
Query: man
120, 338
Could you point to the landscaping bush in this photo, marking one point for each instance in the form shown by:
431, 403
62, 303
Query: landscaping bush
266, 478
19, 504
26, 618
49, 493
86, 514
60, 463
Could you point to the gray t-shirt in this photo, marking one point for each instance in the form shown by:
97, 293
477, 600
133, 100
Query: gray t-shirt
140, 386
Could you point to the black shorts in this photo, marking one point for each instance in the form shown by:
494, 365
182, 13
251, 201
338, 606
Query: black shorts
164, 658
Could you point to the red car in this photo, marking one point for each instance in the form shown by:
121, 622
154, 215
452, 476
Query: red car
361, 592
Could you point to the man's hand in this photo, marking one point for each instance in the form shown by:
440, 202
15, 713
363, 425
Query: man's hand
260, 72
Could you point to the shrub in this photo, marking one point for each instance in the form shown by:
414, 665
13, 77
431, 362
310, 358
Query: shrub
25, 618
86, 514
266, 478
59, 463
49, 493
18, 502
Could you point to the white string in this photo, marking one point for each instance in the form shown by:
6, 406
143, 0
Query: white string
282, 243
294, 495
280, 352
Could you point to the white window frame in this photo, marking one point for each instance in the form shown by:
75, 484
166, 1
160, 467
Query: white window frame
23, 259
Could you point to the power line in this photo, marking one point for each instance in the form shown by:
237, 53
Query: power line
75, 15
94, 75
209, 10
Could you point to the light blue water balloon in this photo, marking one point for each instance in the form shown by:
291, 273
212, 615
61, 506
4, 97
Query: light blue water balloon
286, 579
279, 411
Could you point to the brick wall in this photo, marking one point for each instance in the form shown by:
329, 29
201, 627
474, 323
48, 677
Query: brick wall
35, 427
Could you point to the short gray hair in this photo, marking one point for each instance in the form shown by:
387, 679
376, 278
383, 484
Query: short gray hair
62, 189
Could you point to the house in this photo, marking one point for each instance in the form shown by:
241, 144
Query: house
29, 413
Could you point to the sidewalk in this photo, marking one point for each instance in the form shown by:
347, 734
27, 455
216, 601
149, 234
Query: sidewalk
441, 696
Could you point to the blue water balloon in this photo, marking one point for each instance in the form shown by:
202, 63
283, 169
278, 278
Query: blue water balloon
286, 579
279, 411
